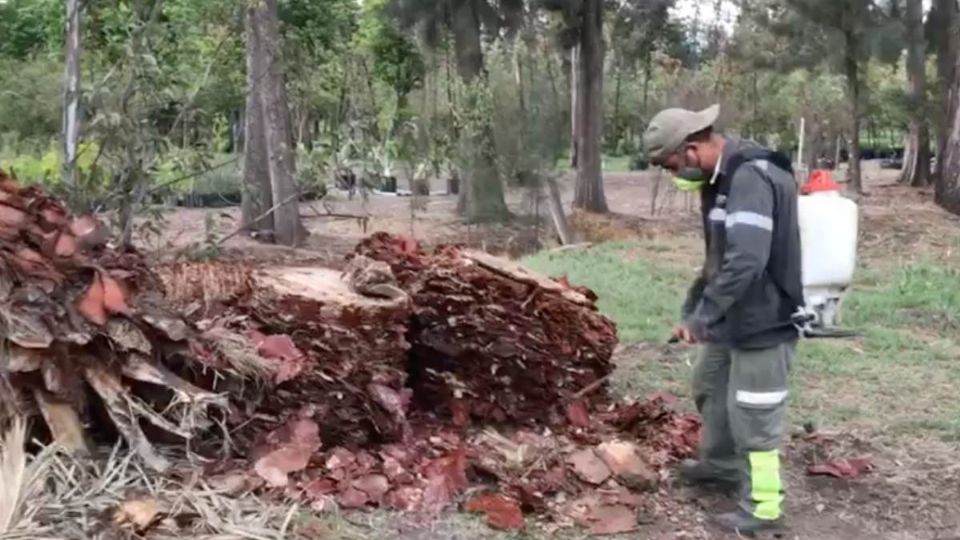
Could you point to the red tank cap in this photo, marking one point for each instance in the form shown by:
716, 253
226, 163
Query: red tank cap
820, 180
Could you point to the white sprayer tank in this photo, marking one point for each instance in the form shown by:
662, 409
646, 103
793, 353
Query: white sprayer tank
828, 236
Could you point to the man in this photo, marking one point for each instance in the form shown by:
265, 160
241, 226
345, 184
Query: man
740, 308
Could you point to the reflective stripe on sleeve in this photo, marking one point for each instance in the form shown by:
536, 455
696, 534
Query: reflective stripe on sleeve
752, 219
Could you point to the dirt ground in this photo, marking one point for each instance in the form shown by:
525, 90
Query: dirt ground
914, 493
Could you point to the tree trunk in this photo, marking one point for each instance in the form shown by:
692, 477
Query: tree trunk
304, 136
588, 193
852, 69
647, 72
481, 195
71, 95
237, 122
837, 151
916, 161
755, 121
466, 43
518, 80
617, 132
257, 195
948, 47
288, 229
948, 185
574, 104
554, 92
813, 148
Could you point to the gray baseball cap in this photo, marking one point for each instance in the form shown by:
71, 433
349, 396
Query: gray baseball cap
670, 127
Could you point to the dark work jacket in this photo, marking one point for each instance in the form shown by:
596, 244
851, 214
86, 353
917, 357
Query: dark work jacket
751, 285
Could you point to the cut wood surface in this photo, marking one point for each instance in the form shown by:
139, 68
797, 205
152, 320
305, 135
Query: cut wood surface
516, 271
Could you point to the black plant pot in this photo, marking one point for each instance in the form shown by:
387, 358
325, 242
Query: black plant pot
390, 184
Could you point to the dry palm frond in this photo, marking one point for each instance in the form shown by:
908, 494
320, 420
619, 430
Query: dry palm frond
13, 473
20, 478
240, 356
93, 500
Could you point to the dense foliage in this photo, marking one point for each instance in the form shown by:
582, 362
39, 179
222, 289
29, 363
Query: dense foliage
381, 87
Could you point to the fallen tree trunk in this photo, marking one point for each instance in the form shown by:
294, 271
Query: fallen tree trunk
89, 328
492, 340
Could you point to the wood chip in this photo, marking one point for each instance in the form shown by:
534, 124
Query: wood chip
588, 466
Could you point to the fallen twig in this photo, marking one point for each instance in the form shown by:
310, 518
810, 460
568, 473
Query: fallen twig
364, 220
243, 226
592, 387
570, 247
334, 215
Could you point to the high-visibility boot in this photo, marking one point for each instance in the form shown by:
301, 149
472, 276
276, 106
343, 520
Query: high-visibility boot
760, 508
744, 524
758, 402
700, 473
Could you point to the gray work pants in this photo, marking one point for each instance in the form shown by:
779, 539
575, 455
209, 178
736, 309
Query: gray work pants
742, 398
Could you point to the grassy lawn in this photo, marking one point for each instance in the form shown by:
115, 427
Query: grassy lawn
898, 380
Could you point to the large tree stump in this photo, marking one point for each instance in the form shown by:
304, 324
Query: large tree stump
345, 357
492, 340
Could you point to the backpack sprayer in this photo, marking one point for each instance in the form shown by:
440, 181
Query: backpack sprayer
828, 237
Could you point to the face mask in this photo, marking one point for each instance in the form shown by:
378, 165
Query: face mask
687, 184
689, 178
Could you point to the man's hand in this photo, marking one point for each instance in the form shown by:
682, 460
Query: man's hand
683, 333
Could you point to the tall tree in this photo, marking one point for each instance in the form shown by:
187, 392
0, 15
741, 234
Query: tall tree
582, 29
916, 160
847, 17
588, 192
845, 31
278, 135
943, 18
948, 184
482, 197
257, 193
574, 104
466, 22
640, 29
71, 94
396, 60
318, 38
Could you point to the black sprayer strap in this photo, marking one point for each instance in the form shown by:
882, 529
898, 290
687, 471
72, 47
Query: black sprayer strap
751, 154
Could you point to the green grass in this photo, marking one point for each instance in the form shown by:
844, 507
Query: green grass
618, 164
899, 379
